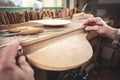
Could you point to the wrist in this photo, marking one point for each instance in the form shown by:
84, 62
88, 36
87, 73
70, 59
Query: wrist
112, 33
116, 41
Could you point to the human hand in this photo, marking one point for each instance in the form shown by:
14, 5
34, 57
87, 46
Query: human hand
13, 65
98, 25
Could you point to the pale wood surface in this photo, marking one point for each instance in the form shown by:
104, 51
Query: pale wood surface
56, 49
65, 53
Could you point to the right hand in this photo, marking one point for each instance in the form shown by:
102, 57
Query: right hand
98, 25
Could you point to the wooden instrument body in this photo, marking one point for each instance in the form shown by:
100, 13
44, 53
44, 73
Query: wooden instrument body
59, 51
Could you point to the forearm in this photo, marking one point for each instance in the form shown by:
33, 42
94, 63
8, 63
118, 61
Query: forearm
116, 42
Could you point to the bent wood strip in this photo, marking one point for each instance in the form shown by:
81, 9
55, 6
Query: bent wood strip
62, 53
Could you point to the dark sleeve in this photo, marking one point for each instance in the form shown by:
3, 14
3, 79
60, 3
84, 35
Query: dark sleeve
116, 41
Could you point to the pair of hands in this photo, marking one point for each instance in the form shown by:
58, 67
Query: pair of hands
98, 25
13, 65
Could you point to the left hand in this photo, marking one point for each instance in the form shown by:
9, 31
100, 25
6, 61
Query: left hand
13, 65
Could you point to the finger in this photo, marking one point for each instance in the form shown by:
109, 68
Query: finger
24, 64
10, 52
89, 28
91, 20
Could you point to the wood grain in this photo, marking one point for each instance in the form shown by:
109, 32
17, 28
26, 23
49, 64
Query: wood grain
65, 53
58, 51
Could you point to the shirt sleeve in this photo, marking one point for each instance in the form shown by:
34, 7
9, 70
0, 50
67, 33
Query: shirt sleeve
116, 41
